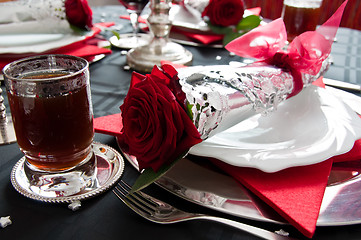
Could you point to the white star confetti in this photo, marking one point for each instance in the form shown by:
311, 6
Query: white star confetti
74, 205
282, 233
5, 221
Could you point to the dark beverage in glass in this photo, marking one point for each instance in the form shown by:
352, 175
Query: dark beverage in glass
300, 16
50, 103
134, 5
53, 132
51, 110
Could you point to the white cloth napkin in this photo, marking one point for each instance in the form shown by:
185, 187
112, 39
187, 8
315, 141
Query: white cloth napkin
33, 16
187, 17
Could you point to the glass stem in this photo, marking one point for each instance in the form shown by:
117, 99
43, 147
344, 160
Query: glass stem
135, 23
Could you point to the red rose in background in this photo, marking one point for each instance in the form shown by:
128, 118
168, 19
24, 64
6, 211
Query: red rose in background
78, 13
156, 127
224, 12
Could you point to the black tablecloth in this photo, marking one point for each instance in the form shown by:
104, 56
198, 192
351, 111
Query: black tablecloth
105, 217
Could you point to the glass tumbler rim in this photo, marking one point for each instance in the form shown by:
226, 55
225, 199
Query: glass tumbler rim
8, 76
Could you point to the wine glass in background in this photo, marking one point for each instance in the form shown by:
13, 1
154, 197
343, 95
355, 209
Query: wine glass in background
135, 39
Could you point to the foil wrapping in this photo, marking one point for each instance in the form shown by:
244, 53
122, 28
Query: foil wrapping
221, 96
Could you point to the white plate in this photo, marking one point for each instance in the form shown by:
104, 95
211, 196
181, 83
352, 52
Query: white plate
36, 43
304, 130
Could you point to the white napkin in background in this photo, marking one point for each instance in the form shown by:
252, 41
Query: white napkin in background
188, 17
198, 5
33, 16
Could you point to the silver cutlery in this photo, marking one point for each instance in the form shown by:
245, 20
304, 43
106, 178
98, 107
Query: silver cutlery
158, 211
342, 85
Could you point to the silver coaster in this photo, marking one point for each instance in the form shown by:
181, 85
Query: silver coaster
110, 167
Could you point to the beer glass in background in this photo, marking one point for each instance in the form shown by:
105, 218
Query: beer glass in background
300, 16
50, 103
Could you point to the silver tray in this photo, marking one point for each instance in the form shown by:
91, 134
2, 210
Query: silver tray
200, 183
110, 167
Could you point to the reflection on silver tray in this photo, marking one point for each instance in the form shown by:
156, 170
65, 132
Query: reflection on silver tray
200, 183
110, 167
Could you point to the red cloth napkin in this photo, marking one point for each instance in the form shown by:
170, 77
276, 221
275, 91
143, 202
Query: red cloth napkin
111, 124
204, 38
295, 193
86, 48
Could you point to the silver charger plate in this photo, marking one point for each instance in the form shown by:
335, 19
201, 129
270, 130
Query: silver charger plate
200, 182
207, 187
110, 167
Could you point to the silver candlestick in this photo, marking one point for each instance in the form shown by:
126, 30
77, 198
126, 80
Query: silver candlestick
7, 133
160, 48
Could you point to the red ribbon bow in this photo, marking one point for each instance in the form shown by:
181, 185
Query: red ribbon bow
305, 53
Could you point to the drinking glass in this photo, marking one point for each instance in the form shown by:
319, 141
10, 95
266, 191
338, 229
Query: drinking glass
50, 103
300, 16
128, 41
160, 48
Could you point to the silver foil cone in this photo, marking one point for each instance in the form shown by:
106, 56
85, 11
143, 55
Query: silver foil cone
221, 96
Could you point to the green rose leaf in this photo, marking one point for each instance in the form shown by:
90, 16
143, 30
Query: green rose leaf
231, 36
78, 30
248, 23
189, 110
219, 29
148, 176
116, 34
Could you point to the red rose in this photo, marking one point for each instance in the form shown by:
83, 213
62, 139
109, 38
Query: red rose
224, 12
78, 13
156, 127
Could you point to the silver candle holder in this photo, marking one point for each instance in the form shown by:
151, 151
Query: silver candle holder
160, 48
7, 132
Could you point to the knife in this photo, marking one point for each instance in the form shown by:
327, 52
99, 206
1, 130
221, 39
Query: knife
342, 85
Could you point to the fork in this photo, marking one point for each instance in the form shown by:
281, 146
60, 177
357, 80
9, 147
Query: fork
158, 211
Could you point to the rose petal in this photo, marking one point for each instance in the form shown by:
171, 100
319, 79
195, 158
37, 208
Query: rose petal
136, 78
261, 42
